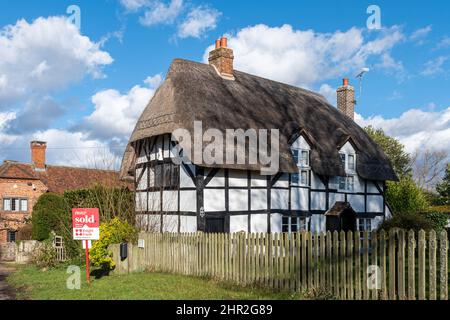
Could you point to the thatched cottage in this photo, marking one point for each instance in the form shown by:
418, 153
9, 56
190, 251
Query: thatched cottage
330, 174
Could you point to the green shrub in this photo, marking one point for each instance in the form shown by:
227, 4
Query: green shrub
438, 219
405, 196
25, 233
49, 212
111, 232
408, 221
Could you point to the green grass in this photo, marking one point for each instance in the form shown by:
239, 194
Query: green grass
33, 283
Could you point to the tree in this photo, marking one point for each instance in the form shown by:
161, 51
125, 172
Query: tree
428, 167
405, 196
49, 212
443, 188
394, 150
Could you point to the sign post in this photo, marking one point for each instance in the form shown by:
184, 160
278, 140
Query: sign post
86, 227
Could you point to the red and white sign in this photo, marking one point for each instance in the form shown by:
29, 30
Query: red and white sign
85, 224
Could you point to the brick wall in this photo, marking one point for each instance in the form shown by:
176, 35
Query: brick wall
17, 188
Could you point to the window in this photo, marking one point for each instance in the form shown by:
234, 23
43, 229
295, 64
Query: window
11, 236
364, 225
347, 183
293, 224
15, 205
301, 158
348, 162
342, 155
166, 175
351, 163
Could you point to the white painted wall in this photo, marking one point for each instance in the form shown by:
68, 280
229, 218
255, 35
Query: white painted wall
258, 223
280, 199
238, 200
214, 200
188, 224
239, 223
259, 199
188, 201
299, 198
276, 222
170, 223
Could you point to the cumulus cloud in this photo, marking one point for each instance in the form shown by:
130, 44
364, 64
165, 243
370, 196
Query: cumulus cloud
115, 114
433, 131
199, 20
45, 55
134, 5
329, 93
306, 57
162, 13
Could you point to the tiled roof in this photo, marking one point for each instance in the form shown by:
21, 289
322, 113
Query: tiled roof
59, 179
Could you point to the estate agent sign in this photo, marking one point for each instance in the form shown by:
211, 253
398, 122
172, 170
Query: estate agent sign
86, 223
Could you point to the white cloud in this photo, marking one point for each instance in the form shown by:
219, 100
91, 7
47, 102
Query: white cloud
306, 57
199, 20
329, 93
161, 13
433, 131
115, 114
45, 55
419, 35
434, 66
134, 5
153, 81
444, 43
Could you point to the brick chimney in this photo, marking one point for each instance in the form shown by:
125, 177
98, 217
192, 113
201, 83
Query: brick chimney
38, 154
222, 59
346, 99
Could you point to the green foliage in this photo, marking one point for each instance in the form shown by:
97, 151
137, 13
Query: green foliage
443, 188
112, 202
408, 221
394, 150
111, 232
405, 196
25, 233
438, 219
49, 212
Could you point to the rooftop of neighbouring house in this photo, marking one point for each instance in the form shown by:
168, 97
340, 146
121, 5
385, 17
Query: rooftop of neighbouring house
58, 178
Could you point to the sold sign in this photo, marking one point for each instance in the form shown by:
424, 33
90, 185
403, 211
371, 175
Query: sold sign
86, 224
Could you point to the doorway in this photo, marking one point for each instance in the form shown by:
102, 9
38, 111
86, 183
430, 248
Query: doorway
215, 225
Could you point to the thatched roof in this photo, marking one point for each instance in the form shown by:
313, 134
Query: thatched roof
338, 208
195, 92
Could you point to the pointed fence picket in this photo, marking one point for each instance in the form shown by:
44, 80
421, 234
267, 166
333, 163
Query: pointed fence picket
361, 265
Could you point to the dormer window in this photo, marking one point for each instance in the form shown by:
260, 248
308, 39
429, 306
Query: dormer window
301, 158
348, 161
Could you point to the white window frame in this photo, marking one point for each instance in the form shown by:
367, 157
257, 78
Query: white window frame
366, 224
301, 224
18, 207
303, 167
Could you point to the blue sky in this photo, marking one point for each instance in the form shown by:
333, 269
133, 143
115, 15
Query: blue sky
82, 91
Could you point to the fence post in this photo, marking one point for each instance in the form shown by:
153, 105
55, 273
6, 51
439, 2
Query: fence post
322, 260
401, 265
336, 263
422, 280
304, 261
365, 267
375, 262
411, 266
342, 266
298, 263
329, 261
443, 255
310, 275
392, 277
384, 294
350, 287
432, 265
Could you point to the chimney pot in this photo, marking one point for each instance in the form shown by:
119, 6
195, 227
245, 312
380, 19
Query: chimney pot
345, 82
38, 149
223, 42
222, 59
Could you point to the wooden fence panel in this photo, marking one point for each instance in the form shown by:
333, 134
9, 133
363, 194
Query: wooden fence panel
443, 263
422, 248
401, 265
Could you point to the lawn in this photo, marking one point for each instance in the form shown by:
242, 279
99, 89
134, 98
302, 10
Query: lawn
33, 283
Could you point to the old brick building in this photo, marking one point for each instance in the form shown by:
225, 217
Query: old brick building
21, 184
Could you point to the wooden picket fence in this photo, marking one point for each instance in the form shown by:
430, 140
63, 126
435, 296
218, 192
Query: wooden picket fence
395, 265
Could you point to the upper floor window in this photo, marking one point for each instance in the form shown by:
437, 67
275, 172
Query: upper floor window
347, 183
165, 175
301, 158
348, 162
15, 204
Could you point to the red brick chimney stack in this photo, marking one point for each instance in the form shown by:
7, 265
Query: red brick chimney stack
346, 99
222, 58
38, 149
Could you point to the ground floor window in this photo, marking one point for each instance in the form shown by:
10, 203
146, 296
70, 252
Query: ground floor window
11, 236
365, 225
293, 224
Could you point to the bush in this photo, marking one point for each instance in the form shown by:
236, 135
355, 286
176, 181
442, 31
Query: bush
44, 255
25, 233
438, 219
49, 212
408, 221
405, 196
111, 232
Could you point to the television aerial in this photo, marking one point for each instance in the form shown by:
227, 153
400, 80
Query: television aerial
360, 77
